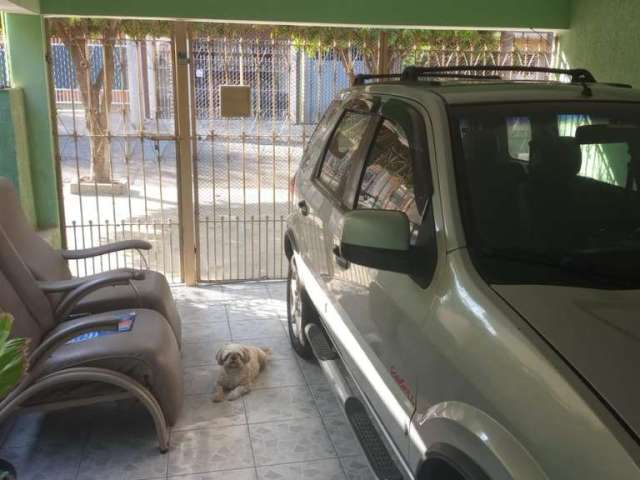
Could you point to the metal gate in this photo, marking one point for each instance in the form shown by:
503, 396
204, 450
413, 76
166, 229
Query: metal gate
119, 150
243, 166
117, 147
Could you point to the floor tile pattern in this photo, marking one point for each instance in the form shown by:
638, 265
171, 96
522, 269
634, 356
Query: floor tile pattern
290, 427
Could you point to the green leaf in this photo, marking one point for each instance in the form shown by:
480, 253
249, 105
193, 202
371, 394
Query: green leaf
13, 356
6, 320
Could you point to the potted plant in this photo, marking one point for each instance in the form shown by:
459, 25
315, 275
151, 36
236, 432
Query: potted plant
13, 364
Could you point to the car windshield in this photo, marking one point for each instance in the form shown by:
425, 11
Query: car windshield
549, 191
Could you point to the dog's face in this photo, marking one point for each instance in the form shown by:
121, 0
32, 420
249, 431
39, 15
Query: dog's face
233, 356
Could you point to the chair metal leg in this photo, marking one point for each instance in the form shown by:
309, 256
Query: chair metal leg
90, 374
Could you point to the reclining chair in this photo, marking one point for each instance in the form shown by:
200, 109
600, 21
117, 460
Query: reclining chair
104, 357
47, 265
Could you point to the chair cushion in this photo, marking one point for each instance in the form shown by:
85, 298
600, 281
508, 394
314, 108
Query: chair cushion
153, 293
148, 353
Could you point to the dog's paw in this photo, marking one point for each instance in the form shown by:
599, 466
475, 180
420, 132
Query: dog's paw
217, 398
233, 396
237, 392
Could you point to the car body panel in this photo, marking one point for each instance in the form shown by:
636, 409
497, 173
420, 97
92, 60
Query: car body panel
533, 395
493, 448
345, 289
595, 330
472, 372
361, 361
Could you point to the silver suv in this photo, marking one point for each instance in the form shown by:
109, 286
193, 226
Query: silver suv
465, 266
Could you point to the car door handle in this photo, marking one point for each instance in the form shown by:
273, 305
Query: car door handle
303, 208
340, 260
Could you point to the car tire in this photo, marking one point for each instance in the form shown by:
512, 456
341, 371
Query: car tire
300, 312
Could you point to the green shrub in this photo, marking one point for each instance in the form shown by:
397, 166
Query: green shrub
13, 356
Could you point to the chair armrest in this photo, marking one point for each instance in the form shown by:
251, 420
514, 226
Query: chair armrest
91, 284
68, 331
104, 249
60, 286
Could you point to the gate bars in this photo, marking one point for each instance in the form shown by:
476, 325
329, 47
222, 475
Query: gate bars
210, 193
243, 166
142, 201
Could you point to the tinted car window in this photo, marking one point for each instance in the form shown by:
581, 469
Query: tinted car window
341, 148
388, 179
570, 216
519, 137
602, 162
314, 148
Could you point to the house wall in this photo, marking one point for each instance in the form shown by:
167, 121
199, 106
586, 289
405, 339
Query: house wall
26, 44
605, 38
14, 147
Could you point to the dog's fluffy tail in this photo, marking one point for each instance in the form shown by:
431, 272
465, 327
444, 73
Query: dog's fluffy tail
266, 357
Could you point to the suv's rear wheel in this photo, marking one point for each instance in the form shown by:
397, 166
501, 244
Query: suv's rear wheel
300, 312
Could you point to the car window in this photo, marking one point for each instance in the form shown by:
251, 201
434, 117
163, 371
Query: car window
344, 143
388, 178
598, 160
570, 216
519, 137
316, 141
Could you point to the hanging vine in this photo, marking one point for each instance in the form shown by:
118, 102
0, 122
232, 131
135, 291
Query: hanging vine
380, 50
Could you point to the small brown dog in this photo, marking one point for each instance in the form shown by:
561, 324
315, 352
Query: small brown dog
242, 364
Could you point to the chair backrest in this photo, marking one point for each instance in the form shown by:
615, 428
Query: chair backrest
43, 261
555, 161
24, 325
21, 296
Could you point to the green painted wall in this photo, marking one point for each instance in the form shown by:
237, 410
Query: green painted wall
14, 148
8, 163
605, 38
542, 14
26, 47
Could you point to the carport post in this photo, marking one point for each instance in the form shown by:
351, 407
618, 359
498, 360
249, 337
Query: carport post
27, 48
185, 154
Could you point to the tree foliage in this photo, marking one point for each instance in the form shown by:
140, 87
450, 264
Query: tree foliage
380, 50
13, 356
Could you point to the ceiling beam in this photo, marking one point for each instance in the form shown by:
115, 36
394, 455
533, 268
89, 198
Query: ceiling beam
470, 14
20, 6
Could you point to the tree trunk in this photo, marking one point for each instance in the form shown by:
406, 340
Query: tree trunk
383, 54
100, 148
346, 58
96, 95
101, 144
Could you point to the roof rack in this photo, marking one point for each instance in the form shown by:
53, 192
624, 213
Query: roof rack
362, 78
413, 73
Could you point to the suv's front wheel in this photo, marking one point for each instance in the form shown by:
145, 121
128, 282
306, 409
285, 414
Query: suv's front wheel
300, 312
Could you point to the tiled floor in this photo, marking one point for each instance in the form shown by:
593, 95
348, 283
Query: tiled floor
289, 427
